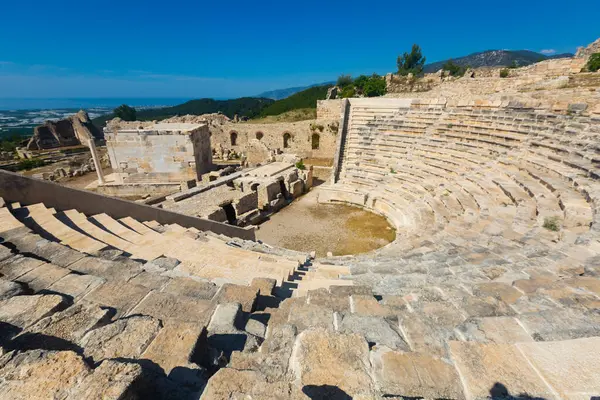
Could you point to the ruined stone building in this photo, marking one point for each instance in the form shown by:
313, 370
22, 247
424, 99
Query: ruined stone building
72, 131
162, 152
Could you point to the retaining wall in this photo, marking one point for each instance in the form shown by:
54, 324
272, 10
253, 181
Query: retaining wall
27, 191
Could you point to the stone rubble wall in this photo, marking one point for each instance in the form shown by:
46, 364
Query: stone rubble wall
329, 109
71, 131
272, 136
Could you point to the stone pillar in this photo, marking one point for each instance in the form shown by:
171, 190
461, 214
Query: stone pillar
96, 159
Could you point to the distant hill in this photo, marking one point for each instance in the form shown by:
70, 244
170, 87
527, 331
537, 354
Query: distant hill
283, 93
496, 58
245, 106
304, 99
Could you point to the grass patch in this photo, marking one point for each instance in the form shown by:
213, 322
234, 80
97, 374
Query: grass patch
301, 114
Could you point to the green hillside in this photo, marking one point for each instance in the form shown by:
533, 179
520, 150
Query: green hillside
304, 99
244, 107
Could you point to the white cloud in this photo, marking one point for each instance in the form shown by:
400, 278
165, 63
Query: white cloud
548, 51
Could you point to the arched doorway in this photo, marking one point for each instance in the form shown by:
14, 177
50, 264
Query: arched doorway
286, 140
314, 141
233, 136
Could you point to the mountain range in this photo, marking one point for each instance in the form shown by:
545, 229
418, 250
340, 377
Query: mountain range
279, 94
496, 58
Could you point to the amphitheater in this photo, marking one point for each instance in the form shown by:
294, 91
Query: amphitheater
491, 288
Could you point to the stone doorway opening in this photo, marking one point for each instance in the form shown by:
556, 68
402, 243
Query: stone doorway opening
283, 189
230, 213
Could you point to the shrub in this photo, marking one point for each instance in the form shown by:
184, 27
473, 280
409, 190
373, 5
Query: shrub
552, 223
344, 80
504, 73
392, 171
360, 82
454, 69
593, 63
411, 63
348, 91
300, 165
513, 65
374, 86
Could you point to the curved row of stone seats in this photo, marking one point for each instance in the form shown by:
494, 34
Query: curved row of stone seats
197, 255
207, 261
360, 168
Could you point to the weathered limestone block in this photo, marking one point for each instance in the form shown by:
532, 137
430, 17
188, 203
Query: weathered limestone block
485, 307
296, 188
166, 306
231, 293
43, 276
76, 285
162, 263
226, 318
9, 289
322, 297
69, 325
429, 330
368, 305
149, 280
174, 349
264, 285
494, 329
561, 324
229, 384
273, 358
40, 374
191, 288
5, 253
16, 266
501, 291
415, 375
256, 328
484, 366
123, 269
124, 338
23, 311
322, 357
56, 253
111, 380
375, 330
122, 296
305, 316
571, 367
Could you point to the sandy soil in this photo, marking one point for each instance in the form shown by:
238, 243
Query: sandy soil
306, 225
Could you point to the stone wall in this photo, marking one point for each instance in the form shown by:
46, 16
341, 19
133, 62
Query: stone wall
157, 156
305, 138
329, 109
18, 188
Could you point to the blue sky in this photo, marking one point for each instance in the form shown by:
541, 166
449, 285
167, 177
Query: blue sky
223, 49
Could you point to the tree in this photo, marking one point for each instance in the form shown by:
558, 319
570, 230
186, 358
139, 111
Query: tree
125, 112
411, 63
344, 80
453, 68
